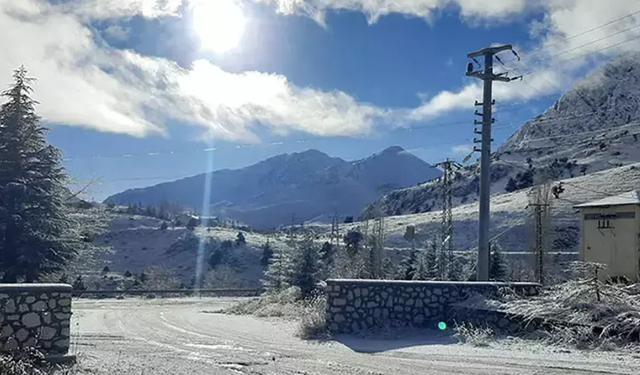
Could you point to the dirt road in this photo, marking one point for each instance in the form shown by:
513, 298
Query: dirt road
184, 336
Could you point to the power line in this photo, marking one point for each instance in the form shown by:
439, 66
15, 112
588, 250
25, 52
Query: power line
582, 33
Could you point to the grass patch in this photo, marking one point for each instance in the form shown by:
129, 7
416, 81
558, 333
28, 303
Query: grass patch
474, 335
289, 304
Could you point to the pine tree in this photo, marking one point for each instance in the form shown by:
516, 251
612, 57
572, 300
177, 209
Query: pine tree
305, 266
497, 269
421, 268
431, 260
267, 253
408, 265
36, 232
327, 254
278, 272
240, 239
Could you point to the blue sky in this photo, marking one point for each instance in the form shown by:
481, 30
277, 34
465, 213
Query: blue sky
138, 92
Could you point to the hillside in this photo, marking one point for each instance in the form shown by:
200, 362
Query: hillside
310, 184
510, 218
593, 127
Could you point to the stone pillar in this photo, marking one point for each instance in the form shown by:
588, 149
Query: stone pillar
36, 316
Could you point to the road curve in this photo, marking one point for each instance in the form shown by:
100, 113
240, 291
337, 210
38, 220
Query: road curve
186, 336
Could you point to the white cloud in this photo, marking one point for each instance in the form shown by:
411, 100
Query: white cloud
104, 9
374, 9
117, 32
83, 83
462, 149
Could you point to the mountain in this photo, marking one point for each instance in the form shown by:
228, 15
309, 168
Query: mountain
310, 185
594, 126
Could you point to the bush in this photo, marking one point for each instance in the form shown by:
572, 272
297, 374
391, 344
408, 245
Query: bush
284, 303
314, 320
474, 335
26, 362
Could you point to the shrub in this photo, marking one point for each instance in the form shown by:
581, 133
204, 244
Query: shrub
474, 335
314, 321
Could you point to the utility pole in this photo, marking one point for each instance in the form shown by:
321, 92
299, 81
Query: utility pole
539, 202
485, 151
446, 246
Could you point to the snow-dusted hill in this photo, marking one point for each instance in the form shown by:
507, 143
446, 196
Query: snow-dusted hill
311, 185
510, 225
593, 127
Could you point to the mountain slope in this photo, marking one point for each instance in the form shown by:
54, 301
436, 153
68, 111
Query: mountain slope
309, 184
593, 127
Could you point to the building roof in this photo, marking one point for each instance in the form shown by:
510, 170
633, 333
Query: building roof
624, 199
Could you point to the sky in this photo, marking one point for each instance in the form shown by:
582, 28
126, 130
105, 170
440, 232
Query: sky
138, 92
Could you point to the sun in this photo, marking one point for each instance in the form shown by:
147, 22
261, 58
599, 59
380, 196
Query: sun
219, 24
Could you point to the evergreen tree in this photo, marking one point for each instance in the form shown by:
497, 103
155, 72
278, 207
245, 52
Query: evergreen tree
240, 239
431, 259
36, 232
164, 226
352, 242
278, 272
421, 268
78, 284
497, 269
192, 223
327, 254
408, 265
267, 253
305, 266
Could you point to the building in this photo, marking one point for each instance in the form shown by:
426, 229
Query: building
611, 234
182, 219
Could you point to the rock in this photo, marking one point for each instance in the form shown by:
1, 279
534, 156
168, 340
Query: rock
52, 303
65, 302
384, 295
365, 292
350, 295
30, 299
339, 318
418, 319
46, 318
10, 307
437, 291
65, 332
389, 301
333, 327
385, 314
63, 316
358, 302
62, 344
339, 302
350, 309
4, 296
30, 343
39, 306
356, 292
355, 326
31, 320
47, 333
6, 332
377, 313
22, 334
13, 317
44, 296
46, 344
419, 303
371, 305
370, 321
397, 308
11, 344
23, 307
410, 302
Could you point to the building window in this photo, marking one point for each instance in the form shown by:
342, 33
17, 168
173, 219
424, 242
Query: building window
606, 221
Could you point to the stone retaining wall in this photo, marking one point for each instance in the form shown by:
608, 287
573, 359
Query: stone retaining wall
355, 305
35, 315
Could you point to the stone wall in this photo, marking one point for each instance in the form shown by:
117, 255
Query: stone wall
35, 315
354, 305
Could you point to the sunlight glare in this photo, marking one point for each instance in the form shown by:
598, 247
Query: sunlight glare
219, 24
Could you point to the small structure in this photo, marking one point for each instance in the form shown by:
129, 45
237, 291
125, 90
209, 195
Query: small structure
611, 234
182, 219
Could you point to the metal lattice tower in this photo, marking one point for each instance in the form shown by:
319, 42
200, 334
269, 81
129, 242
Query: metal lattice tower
446, 248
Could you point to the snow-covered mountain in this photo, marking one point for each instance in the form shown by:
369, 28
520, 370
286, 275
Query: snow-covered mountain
310, 184
593, 127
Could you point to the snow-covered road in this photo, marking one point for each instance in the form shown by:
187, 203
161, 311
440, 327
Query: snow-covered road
186, 336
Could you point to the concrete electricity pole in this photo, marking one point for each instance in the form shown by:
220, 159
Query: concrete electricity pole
485, 159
